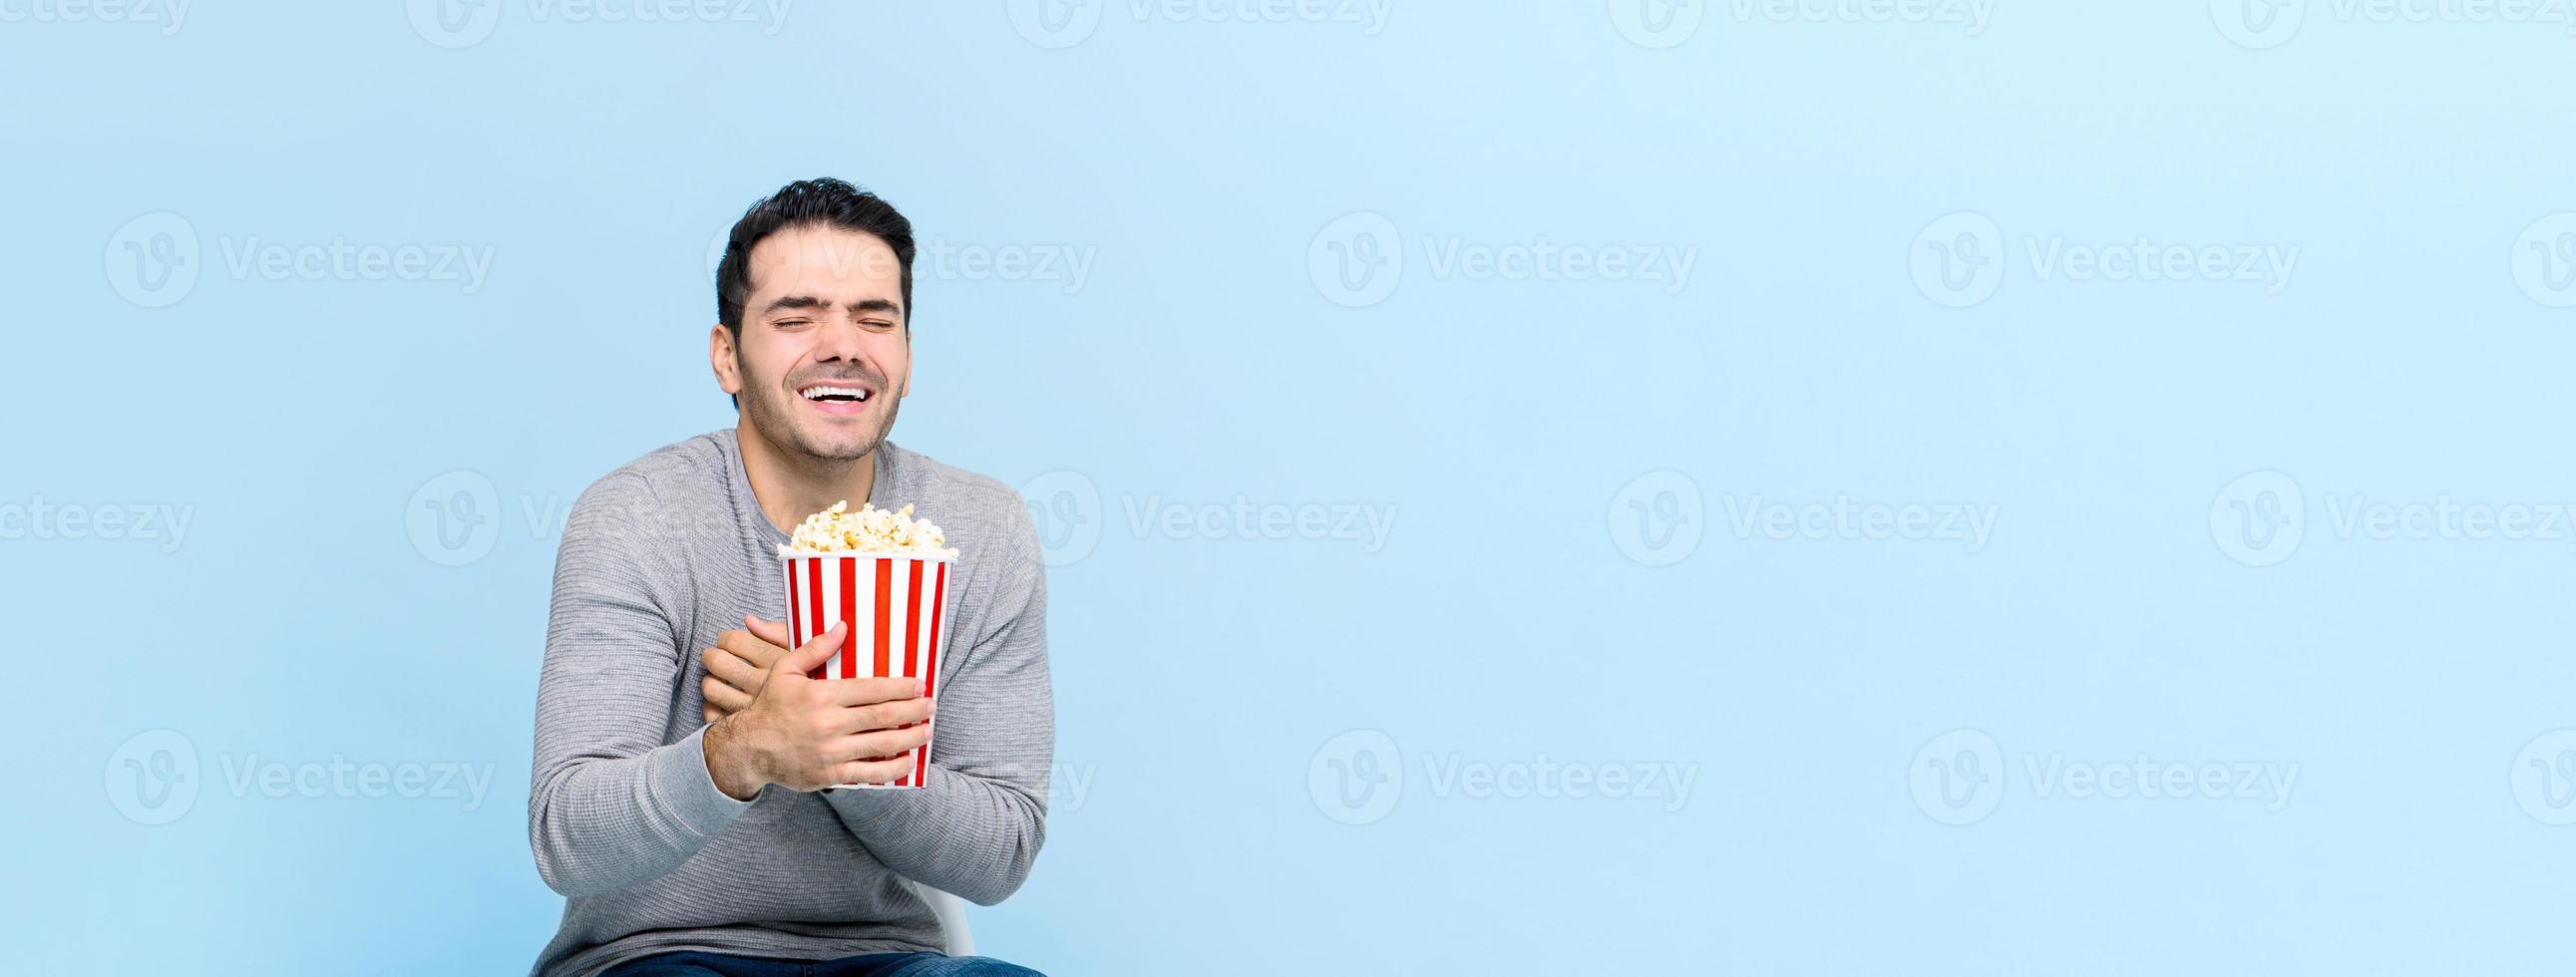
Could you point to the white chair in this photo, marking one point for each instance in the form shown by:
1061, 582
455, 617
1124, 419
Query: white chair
952, 918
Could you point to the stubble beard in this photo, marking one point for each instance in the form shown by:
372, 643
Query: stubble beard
773, 415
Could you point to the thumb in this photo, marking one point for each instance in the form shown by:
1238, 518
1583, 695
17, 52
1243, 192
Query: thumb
814, 653
774, 632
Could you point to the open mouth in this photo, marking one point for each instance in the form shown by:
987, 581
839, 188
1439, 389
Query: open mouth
837, 398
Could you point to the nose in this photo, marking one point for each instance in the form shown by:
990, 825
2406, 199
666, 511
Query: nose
837, 342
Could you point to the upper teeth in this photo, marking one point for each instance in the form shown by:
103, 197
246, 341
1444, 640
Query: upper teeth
816, 393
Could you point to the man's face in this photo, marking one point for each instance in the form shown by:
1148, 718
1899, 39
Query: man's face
824, 359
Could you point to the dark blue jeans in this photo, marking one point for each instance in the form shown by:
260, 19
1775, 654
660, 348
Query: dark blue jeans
695, 964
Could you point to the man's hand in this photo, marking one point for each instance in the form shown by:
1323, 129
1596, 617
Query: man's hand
738, 663
808, 734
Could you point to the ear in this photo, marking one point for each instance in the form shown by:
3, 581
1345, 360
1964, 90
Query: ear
721, 356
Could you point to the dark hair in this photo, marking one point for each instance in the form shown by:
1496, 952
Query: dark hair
825, 201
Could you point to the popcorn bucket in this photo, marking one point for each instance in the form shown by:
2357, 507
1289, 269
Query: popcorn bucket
894, 606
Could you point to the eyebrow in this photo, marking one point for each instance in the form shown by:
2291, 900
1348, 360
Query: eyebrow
787, 302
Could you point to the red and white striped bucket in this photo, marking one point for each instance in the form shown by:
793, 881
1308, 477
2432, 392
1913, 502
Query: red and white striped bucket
895, 607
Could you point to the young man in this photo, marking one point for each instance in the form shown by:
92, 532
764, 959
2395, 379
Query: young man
675, 801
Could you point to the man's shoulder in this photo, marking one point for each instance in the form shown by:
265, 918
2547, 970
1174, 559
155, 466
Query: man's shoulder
685, 475
973, 509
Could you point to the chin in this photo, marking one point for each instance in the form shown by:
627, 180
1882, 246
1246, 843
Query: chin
839, 447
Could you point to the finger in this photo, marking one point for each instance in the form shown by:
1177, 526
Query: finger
870, 691
884, 744
733, 669
894, 714
774, 632
723, 698
749, 647
813, 654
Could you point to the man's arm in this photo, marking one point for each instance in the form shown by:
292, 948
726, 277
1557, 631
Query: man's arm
975, 826
609, 804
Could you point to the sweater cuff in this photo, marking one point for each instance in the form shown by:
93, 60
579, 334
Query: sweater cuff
680, 780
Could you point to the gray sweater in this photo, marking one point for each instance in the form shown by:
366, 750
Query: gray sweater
658, 558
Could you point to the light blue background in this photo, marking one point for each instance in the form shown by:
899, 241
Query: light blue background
1503, 422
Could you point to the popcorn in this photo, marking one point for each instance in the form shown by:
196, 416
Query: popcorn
870, 530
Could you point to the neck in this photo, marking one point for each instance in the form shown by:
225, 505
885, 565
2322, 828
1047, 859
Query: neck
790, 487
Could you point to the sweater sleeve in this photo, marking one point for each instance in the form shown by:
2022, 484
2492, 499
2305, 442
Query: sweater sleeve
974, 828
610, 804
